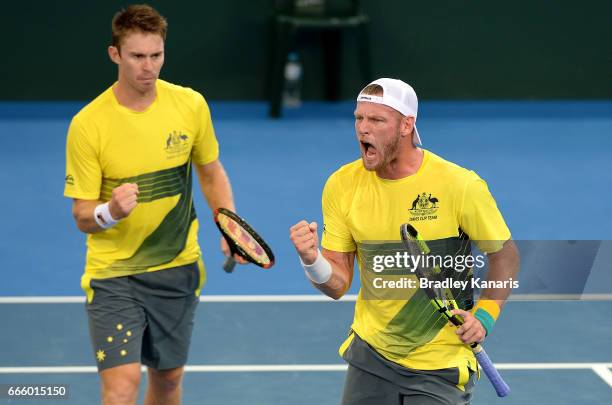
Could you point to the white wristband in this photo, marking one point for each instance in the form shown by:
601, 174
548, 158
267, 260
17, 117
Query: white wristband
103, 217
320, 271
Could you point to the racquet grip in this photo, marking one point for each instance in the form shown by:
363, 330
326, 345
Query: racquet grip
229, 264
489, 369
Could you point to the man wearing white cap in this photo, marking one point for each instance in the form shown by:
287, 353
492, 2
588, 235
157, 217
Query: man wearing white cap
400, 351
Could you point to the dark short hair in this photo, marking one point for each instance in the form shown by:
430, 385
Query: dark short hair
138, 18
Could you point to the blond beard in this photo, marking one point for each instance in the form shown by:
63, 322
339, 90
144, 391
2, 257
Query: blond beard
388, 153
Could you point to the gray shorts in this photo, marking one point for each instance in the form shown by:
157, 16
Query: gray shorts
145, 318
374, 380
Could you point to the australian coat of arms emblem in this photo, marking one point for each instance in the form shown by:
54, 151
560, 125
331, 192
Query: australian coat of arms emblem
424, 206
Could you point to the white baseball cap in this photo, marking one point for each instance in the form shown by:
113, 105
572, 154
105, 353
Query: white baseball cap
398, 95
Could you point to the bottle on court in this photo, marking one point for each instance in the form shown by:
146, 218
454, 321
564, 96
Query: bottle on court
293, 81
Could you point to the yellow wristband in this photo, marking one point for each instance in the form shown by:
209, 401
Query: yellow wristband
487, 312
490, 306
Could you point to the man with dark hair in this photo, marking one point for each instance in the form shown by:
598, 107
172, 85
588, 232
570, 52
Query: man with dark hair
129, 160
401, 351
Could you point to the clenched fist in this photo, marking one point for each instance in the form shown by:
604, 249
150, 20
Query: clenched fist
123, 201
306, 241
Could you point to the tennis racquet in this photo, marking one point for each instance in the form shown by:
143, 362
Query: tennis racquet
242, 240
443, 300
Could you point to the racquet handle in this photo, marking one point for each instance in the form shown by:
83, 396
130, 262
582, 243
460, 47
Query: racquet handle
497, 381
229, 264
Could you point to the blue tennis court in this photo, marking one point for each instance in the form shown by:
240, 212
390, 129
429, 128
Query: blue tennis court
267, 337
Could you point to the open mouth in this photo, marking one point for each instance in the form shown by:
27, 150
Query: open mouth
368, 149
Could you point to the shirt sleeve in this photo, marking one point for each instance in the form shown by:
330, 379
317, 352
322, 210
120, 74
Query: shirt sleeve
83, 172
205, 146
480, 218
336, 232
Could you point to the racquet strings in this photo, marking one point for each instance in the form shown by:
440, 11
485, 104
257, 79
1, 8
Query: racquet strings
243, 239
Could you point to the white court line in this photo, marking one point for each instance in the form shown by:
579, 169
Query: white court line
300, 367
289, 298
274, 298
42, 300
560, 297
601, 369
549, 366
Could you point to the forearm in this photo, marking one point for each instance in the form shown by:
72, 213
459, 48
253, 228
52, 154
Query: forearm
83, 213
503, 266
216, 186
94, 216
341, 274
335, 287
